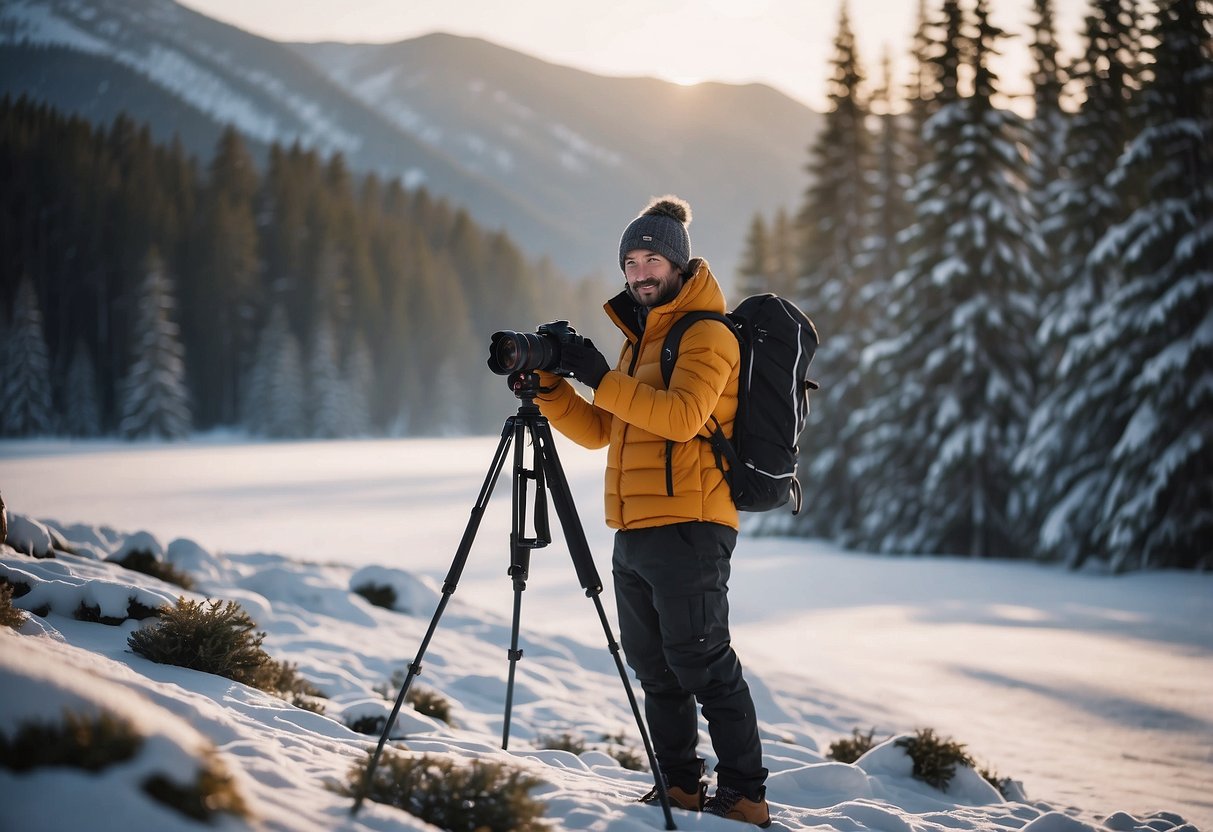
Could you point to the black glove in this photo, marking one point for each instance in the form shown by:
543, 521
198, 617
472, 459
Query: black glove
584, 361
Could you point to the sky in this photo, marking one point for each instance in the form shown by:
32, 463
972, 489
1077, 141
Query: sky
783, 43
1090, 690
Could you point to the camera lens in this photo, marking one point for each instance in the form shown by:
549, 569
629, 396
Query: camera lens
512, 352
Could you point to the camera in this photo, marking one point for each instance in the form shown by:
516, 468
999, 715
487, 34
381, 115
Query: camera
523, 352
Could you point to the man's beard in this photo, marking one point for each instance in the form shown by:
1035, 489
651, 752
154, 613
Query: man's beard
668, 294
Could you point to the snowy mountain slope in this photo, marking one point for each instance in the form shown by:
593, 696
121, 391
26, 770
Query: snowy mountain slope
559, 158
53, 73
588, 146
220, 75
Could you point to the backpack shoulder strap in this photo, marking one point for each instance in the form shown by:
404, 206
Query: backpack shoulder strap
673, 339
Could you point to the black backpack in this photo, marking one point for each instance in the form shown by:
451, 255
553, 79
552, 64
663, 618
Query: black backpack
777, 344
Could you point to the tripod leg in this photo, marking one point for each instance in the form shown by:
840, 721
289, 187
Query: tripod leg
587, 574
520, 565
448, 589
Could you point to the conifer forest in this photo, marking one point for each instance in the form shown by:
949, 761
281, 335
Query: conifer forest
1016, 311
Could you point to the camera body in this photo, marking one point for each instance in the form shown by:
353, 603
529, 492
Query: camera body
524, 352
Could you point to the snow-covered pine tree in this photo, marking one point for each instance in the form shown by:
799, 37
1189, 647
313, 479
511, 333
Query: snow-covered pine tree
81, 402
922, 92
274, 403
888, 211
25, 374
879, 260
328, 394
153, 400
754, 272
957, 372
1064, 459
833, 227
1047, 129
785, 255
359, 374
1151, 345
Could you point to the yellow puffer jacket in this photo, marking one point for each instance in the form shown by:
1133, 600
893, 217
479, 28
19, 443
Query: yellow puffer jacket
657, 471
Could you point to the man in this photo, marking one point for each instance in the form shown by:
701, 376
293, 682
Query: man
675, 519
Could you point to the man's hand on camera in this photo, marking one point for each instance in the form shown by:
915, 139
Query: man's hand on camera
584, 361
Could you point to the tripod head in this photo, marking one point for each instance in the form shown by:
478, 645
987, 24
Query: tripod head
525, 386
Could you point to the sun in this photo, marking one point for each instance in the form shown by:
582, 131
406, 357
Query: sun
684, 80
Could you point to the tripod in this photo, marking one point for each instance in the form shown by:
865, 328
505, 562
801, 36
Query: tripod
547, 473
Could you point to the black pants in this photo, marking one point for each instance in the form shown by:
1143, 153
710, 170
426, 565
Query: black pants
671, 587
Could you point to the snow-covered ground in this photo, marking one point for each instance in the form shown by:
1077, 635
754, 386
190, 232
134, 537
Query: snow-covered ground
1094, 692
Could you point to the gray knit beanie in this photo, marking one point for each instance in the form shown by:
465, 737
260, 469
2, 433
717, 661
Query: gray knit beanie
661, 227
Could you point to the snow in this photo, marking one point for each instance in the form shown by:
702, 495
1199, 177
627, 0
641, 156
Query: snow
183, 69
1091, 691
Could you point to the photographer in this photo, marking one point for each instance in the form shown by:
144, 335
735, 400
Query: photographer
674, 514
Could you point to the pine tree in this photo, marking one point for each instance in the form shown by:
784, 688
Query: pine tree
25, 380
81, 401
881, 257
275, 399
785, 255
754, 272
221, 306
327, 390
153, 398
1047, 129
888, 211
359, 375
1149, 351
1065, 461
957, 372
833, 229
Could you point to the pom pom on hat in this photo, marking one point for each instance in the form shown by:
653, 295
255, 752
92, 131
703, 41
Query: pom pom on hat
661, 227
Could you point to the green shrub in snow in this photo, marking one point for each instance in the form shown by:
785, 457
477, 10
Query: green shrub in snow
144, 562
217, 637
381, 595
935, 759
10, 616
851, 749
452, 794
88, 742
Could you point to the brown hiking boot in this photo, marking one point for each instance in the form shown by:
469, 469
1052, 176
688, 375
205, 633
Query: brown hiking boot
732, 804
679, 798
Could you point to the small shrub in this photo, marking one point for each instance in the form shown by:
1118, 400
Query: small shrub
134, 609
213, 637
219, 638
429, 703
143, 561
459, 798
390, 689
88, 742
96, 742
850, 750
562, 742
372, 725
935, 759
212, 792
10, 616
627, 757
293, 687
381, 595
990, 776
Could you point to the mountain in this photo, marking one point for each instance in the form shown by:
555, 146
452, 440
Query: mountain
559, 158
589, 148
